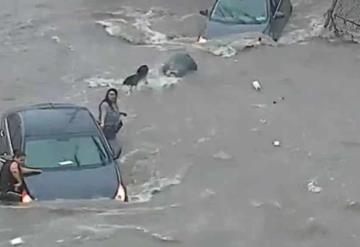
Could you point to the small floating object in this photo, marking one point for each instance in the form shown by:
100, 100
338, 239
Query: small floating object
56, 39
16, 241
312, 187
279, 99
276, 143
263, 121
222, 155
260, 106
256, 85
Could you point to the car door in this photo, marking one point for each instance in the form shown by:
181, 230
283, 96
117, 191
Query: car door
281, 11
4, 144
15, 131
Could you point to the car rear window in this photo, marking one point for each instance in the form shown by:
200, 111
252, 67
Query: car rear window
65, 151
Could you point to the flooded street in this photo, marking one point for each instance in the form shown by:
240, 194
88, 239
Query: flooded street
198, 157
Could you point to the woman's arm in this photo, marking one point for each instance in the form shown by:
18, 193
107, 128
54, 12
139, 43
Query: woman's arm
25, 170
14, 169
103, 111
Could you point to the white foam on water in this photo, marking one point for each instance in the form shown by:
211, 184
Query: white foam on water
156, 81
97, 81
230, 45
314, 29
144, 192
134, 26
137, 154
222, 155
157, 236
136, 211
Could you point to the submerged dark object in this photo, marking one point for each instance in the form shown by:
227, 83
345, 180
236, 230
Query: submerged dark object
179, 65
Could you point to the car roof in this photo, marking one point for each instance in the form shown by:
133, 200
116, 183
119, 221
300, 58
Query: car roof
48, 105
55, 119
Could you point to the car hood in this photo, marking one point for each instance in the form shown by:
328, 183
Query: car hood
98, 182
218, 29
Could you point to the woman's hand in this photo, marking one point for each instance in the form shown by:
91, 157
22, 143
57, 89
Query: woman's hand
37, 171
18, 186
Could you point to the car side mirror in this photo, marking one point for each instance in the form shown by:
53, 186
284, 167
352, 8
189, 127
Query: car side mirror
204, 12
2, 133
279, 15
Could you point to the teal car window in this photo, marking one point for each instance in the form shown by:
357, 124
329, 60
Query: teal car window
240, 11
56, 152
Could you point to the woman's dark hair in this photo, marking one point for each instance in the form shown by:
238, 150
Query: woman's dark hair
18, 153
142, 70
107, 100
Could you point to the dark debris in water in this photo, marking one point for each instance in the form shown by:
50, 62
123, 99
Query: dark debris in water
8, 99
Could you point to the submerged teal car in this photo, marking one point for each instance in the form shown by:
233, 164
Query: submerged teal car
229, 17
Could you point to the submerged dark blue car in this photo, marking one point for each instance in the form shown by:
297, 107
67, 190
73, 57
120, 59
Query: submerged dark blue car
228, 17
66, 143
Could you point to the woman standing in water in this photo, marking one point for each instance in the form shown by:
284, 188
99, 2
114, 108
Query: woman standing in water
109, 114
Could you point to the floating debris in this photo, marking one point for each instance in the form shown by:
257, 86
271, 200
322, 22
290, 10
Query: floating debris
263, 121
260, 106
56, 39
313, 187
60, 241
222, 155
256, 204
279, 99
203, 139
16, 241
276, 143
256, 85
207, 193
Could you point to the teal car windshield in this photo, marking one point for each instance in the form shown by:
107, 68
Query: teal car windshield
240, 11
65, 151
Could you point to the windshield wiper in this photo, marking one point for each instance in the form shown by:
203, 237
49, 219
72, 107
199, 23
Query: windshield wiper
76, 158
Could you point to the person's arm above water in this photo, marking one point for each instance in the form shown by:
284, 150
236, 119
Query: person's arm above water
103, 111
14, 169
25, 170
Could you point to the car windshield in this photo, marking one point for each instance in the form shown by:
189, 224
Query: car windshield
65, 151
240, 11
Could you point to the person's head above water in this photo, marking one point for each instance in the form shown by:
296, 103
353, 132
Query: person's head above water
19, 157
111, 96
142, 71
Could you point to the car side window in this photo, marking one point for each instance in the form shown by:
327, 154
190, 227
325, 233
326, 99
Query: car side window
3, 139
14, 125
